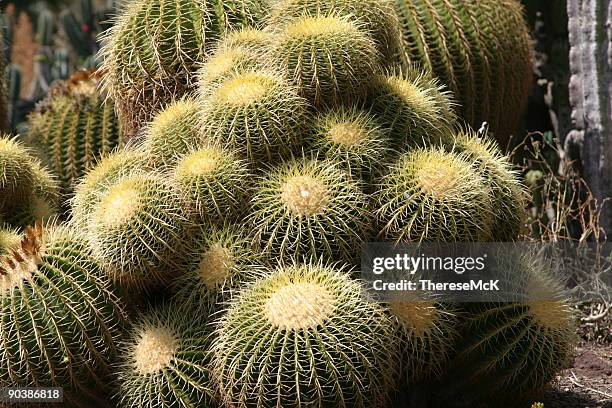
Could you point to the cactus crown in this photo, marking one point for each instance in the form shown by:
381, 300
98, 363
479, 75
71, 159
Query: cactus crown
154, 349
295, 305
200, 162
305, 195
121, 202
418, 316
216, 265
245, 89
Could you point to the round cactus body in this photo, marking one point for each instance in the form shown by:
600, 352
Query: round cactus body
330, 58
164, 361
152, 52
219, 263
214, 181
248, 39
138, 229
59, 317
510, 351
377, 17
258, 113
73, 126
108, 169
304, 336
172, 131
415, 108
480, 49
434, 196
225, 62
310, 209
352, 137
10, 238
509, 196
427, 333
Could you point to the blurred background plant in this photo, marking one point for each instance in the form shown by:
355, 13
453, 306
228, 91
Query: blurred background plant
45, 41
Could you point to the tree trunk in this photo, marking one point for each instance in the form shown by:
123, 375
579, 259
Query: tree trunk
590, 36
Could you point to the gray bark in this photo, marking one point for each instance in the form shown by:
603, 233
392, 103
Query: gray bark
590, 34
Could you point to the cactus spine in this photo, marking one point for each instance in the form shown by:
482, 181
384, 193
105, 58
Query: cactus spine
310, 209
480, 50
108, 169
59, 317
164, 361
310, 322
431, 195
73, 126
26, 187
330, 58
219, 262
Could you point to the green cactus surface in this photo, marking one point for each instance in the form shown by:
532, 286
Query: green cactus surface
480, 49
431, 195
427, 333
257, 113
310, 208
152, 52
60, 318
330, 58
73, 126
304, 336
28, 192
164, 361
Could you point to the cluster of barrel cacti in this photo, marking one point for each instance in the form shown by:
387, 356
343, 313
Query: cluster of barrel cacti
210, 259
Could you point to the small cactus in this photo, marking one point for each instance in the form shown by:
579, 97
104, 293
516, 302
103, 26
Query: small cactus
164, 361
26, 188
480, 49
416, 109
152, 51
308, 322
219, 263
214, 181
138, 229
73, 126
172, 131
257, 113
378, 18
509, 196
61, 313
352, 137
309, 209
329, 58
427, 333
431, 195
510, 351
108, 169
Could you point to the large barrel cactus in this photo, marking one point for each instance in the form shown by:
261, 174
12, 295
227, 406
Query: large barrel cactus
304, 336
481, 49
59, 318
73, 127
152, 52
